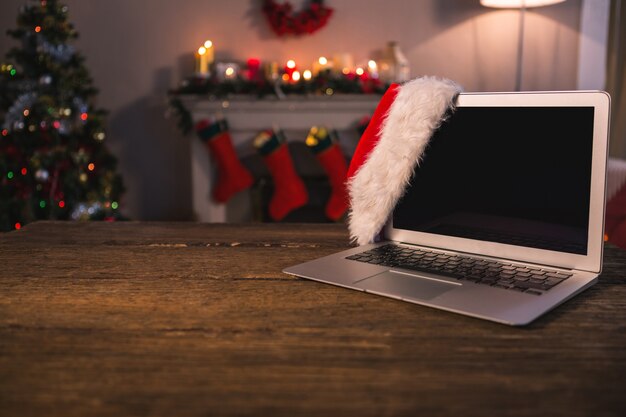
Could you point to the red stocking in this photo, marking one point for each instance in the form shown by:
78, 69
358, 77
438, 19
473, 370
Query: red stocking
328, 153
232, 176
289, 190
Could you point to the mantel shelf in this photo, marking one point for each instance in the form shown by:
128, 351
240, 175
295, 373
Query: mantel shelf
341, 108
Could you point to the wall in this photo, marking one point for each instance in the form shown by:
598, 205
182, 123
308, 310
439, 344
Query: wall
138, 49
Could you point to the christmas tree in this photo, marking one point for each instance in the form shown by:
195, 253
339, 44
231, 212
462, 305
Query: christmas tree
53, 160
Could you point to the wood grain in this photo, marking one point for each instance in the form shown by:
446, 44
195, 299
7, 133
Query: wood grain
183, 319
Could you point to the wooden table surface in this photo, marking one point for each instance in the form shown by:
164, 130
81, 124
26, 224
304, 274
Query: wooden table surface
164, 319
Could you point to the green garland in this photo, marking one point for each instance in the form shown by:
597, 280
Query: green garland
324, 84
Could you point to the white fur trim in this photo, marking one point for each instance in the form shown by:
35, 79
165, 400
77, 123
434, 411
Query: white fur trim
379, 183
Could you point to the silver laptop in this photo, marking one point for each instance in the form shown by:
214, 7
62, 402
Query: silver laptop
503, 219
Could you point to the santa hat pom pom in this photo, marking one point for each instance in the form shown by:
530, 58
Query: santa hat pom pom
391, 148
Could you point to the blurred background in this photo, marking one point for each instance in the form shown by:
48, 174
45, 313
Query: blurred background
139, 51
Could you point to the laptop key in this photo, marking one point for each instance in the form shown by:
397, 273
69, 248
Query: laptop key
480, 271
499, 285
558, 275
552, 281
533, 285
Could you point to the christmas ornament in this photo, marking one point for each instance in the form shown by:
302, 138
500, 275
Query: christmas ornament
81, 106
86, 211
14, 117
390, 148
99, 136
289, 190
65, 127
45, 79
42, 175
324, 145
61, 53
232, 176
284, 21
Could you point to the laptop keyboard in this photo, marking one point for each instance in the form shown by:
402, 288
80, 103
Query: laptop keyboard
504, 275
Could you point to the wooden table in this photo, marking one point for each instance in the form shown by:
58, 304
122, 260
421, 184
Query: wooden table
191, 319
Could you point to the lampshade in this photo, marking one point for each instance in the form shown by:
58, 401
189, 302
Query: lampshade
509, 4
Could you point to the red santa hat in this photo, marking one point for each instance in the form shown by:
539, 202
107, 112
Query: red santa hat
390, 149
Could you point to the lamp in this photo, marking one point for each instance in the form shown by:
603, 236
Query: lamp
522, 5
516, 4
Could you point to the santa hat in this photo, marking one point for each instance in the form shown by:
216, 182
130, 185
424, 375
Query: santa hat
390, 149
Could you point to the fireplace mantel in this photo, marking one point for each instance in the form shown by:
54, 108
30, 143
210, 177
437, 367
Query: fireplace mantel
246, 117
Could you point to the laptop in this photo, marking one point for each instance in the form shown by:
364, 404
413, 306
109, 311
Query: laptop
503, 218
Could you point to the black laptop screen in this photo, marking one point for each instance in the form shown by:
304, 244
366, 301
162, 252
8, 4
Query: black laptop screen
514, 175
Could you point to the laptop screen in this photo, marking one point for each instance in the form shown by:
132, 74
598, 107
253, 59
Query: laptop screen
513, 175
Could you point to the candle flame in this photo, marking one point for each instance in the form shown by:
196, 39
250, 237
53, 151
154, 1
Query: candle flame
201, 50
208, 44
307, 75
291, 63
322, 60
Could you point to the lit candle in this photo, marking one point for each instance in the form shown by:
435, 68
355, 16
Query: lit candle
229, 73
210, 52
202, 64
290, 67
373, 68
227, 70
307, 75
271, 71
320, 65
254, 69
362, 74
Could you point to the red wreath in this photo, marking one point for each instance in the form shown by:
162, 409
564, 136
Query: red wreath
284, 21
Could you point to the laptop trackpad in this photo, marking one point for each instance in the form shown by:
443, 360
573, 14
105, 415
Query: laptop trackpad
401, 285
